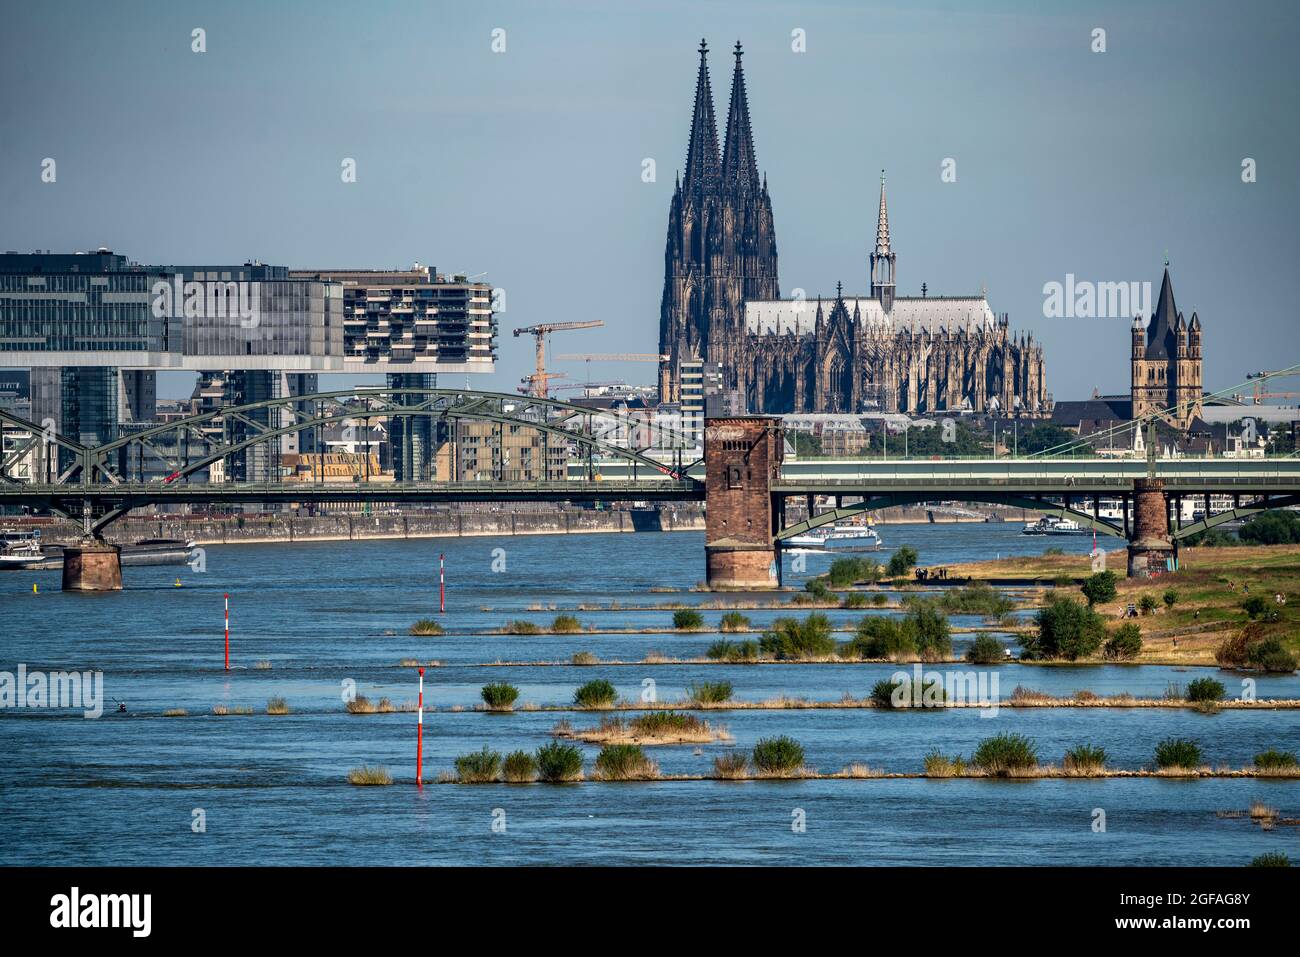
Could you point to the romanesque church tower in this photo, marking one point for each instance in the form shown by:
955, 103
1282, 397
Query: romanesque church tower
721, 247
1167, 362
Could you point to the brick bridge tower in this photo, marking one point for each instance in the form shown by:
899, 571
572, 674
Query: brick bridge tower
742, 458
1150, 548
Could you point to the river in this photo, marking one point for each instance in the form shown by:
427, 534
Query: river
309, 621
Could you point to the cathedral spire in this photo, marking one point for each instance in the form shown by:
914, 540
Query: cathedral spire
702, 152
738, 164
882, 258
882, 225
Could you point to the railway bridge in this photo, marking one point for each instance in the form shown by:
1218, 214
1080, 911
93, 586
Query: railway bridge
742, 476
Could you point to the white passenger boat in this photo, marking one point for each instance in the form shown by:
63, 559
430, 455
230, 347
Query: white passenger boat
837, 538
19, 548
1051, 525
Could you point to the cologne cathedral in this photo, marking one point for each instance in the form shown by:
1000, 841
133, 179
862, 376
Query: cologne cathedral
879, 352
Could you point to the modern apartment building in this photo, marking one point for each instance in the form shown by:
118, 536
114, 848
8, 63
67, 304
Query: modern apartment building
412, 324
487, 451
412, 320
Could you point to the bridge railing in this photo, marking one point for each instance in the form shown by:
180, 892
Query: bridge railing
1093, 471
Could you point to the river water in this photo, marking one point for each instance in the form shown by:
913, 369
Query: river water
311, 620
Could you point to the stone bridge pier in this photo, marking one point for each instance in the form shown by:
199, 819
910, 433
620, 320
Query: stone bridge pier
1150, 547
92, 565
742, 458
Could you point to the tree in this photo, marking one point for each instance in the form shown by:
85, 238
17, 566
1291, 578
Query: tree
930, 626
1066, 629
791, 639
1148, 604
1099, 588
1212, 538
985, 650
1125, 644
880, 637
1044, 436
1255, 607
1171, 597
847, 571
1271, 528
805, 443
1281, 441
902, 561
961, 440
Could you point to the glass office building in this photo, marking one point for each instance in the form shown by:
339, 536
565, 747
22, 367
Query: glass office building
101, 309
81, 309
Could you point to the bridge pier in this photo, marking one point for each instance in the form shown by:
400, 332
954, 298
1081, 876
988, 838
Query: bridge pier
1150, 547
742, 457
92, 565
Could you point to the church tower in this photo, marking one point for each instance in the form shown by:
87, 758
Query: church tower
882, 259
693, 218
721, 246
1166, 363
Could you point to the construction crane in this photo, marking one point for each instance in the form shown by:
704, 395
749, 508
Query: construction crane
1261, 378
537, 382
588, 357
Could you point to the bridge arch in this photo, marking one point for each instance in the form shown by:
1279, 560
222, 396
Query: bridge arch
94, 467
549, 416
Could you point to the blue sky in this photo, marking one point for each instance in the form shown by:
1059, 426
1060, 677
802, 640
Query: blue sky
527, 164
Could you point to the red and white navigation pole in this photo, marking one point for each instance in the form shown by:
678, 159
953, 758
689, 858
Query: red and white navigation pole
419, 736
227, 632
442, 583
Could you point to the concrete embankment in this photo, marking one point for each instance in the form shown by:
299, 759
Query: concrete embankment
244, 529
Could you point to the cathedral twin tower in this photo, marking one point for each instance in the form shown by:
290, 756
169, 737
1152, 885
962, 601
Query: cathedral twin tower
721, 248
879, 352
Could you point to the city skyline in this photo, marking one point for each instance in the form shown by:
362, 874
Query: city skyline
1068, 162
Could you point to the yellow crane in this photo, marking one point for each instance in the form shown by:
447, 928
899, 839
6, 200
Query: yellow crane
589, 357
1260, 378
537, 382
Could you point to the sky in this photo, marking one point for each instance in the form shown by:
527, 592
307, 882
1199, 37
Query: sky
527, 164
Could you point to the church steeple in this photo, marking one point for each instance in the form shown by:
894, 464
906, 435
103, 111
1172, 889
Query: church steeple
1162, 342
738, 164
882, 259
882, 223
702, 167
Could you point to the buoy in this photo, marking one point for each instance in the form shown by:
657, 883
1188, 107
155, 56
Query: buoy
178, 583
35, 589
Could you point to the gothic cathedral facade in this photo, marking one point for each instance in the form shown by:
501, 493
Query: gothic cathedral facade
879, 352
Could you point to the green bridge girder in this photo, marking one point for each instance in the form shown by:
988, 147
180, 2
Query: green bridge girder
91, 483
1267, 503
877, 502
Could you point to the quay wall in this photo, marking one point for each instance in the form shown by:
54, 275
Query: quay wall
245, 529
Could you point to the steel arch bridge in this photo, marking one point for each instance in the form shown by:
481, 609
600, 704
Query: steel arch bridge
88, 484
1065, 508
